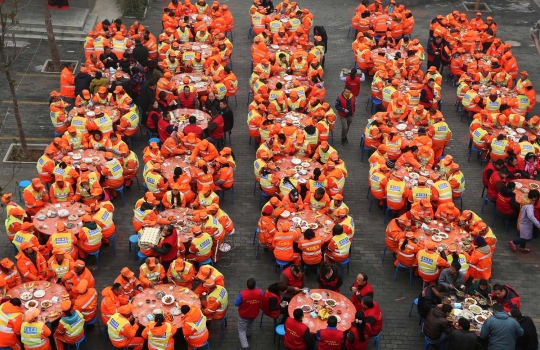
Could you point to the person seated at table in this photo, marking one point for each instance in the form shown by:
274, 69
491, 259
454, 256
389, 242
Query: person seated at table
123, 327
479, 287
482, 229
160, 334
35, 334
130, 285
397, 193
330, 277
317, 180
59, 265
204, 149
216, 302
223, 174
181, 273
201, 246
421, 211
60, 191
452, 277
205, 198
447, 212
213, 227
269, 182
75, 276
205, 273
63, 239
441, 192
173, 146
409, 156
282, 243
90, 236
151, 151
35, 197
430, 297
156, 182
14, 220
292, 201
183, 180
317, 200
26, 234
436, 328
507, 296
339, 246
113, 174
31, 264
152, 273
311, 247
407, 249
113, 298
330, 336
429, 262
12, 327
193, 128
173, 198
9, 273
297, 334
267, 225
70, 327
506, 203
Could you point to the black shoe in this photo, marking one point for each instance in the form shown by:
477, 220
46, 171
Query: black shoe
343, 142
346, 140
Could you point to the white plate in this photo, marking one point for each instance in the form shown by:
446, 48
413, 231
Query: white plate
175, 311
200, 117
520, 130
39, 293
306, 164
63, 213
284, 20
275, 47
414, 175
297, 220
26, 296
331, 301
87, 160
305, 311
285, 214
470, 301
76, 156
467, 314
303, 172
41, 217
436, 238
224, 247
315, 296
167, 296
157, 311
204, 46
288, 78
328, 222
401, 127
46, 303
477, 319
296, 161
27, 304
475, 309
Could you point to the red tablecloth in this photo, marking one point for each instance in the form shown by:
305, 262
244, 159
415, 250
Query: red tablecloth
323, 221
285, 163
201, 85
344, 309
186, 113
526, 184
50, 292
287, 85
182, 228
48, 226
182, 295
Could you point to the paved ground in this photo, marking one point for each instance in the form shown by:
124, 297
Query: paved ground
399, 331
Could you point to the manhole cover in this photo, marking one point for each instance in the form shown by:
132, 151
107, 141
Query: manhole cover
471, 6
513, 43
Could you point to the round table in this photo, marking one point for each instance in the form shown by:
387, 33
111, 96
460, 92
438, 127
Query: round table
273, 48
526, 184
287, 85
456, 234
344, 305
286, 162
180, 214
48, 226
196, 47
406, 171
54, 290
183, 296
389, 53
170, 164
324, 222
195, 81
185, 113
91, 157
111, 111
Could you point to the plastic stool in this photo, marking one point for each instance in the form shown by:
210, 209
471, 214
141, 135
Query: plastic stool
405, 267
222, 194
486, 201
343, 264
265, 195
95, 320
364, 149
280, 330
21, 186
223, 325
113, 244
206, 343
374, 103
141, 257
281, 265
120, 190
383, 254
460, 199
474, 149
134, 239
260, 325
415, 302
78, 344
207, 262
388, 209
255, 235
506, 221
95, 255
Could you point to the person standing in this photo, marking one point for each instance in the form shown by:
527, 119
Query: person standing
353, 81
434, 50
345, 106
67, 83
248, 302
215, 128
529, 339
500, 331
526, 221
140, 53
228, 116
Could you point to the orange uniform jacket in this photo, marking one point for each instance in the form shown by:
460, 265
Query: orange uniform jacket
10, 339
29, 271
160, 331
311, 250
87, 304
393, 235
110, 303
193, 338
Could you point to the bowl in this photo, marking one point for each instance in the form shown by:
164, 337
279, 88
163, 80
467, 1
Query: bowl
285, 214
167, 299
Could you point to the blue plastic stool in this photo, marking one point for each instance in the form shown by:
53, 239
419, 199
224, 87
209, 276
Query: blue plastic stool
484, 190
207, 262
405, 267
486, 201
415, 302
430, 342
57, 134
255, 235
78, 344
221, 194
373, 199
223, 325
266, 196
149, 134
94, 320
260, 324
254, 187
368, 150
280, 330
95, 255
388, 209
141, 257
343, 264
113, 244
506, 221
374, 103
16, 252
460, 199
120, 191
154, 139
281, 265
383, 254
376, 338
206, 343
21, 186
474, 149
134, 239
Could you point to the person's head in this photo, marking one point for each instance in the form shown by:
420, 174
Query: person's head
298, 314
297, 271
464, 324
446, 308
251, 284
504, 172
337, 230
186, 90
483, 284
319, 193
516, 314
327, 271
117, 289
223, 104
15, 302
431, 83
534, 195
159, 319
498, 307
361, 279
281, 287
185, 309
455, 267
332, 321
367, 302
499, 290
439, 290
347, 91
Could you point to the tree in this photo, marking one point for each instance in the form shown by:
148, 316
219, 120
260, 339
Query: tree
55, 54
8, 20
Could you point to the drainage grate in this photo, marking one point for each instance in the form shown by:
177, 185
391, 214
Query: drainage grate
471, 7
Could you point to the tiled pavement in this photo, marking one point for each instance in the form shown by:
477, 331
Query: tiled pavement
399, 331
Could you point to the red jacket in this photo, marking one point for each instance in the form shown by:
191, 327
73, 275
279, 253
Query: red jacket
354, 85
150, 122
187, 102
164, 129
485, 175
291, 280
265, 304
251, 303
294, 334
503, 205
511, 300
173, 241
492, 190
357, 299
330, 339
217, 134
430, 95
375, 318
